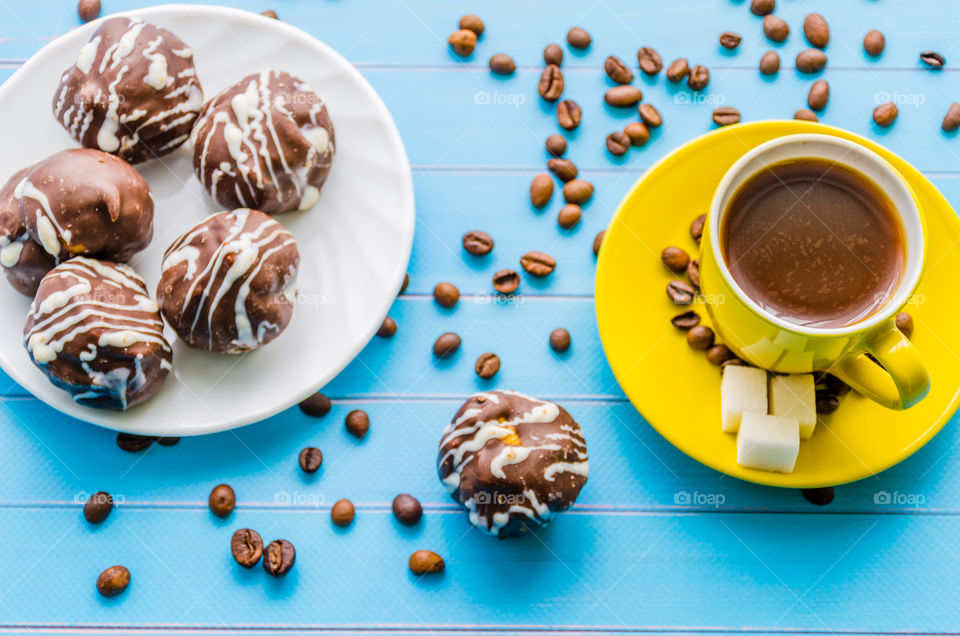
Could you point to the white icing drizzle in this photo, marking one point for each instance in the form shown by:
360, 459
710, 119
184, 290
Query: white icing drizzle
10, 252
49, 230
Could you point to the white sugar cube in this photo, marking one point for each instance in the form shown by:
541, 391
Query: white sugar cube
742, 390
795, 396
768, 442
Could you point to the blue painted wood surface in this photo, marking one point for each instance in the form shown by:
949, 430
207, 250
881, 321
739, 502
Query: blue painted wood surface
657, 542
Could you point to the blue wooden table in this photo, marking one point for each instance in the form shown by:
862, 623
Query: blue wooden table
657, 542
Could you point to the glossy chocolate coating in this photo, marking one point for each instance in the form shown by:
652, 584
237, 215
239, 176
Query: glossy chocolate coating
23, 260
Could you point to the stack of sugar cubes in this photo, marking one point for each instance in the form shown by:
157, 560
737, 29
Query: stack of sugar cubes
768, 430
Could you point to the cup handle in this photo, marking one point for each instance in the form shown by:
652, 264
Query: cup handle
898, 382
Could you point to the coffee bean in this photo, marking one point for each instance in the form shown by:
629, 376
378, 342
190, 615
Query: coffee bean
357, 422
577, 191
310, 459
270, 13
618, 143
718, 353
477, 243
951, 121
388, 328
578, 38
446, 295
762, 7
446, 345
818, 496
623, 96
874, 43
560, 340
113, 580
675, 258
617, 70
700, 338
730, 40
317, 405
649, 60
565, 169
506, 281
835, 385
696, 228
811, 60
568, 114
693, 273
246, 546
805, 114
541, 190
550, 85
732, 362
88, 10
637, 133
222, 500
699, 78
686, 320
569, 216
502, 64
553, 54
97, 507
168, 441
463, 42
487, 365
279, 557
538, 264
770, 63
650, 116
425, 562
472, 23
342, 513
680, 292
678, 70
598, 242
406, 283
134, 443
407, 510
817, 30
933, 59
885, 114
818, 95
776, 29
556, 145
827, 402
905, 323
726, 115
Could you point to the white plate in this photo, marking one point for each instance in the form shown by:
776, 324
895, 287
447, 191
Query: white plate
354, 245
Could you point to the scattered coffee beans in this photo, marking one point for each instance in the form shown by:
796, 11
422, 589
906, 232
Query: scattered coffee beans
730, 40
732, 362
550, 85
598, 241
700, 338
726, 115
487, 365
88, 10
818, 496
278, 557
538, 264
618, 143
776, 29
699, 78
817, 30
113, 580
617, 70
270, 13
678, 70
556, 145
805, 114
310, 459
686, 320
638, 133
650, 116
569, 216
568, 114
388, 328
885, 114
246, 546
578, 38
477, 243
905, 323
357, 421
933, 59
811, 60
134, 443
446, 345
827, 402
836, 386
446, 295
317, 405
541, 190
222, 500
560, 340
342, 513
406, 283
472, 23
693, 273
763, 7
819, 95
696, 228
951, 121
553, 54
506, 281
168, 441
874, 43
407, 510
675, 258
577, 191
649, 60
623, 96
97, 507
718, 354
565, 169
425, 562
463, 42
502, 64
680, 292
770, 63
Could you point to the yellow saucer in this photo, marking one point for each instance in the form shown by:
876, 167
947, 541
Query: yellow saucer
678, 391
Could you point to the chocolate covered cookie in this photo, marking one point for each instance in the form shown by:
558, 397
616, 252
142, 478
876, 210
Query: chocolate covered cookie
132, 92
229, 283
512, 461
266, 142
23, 260
95, 332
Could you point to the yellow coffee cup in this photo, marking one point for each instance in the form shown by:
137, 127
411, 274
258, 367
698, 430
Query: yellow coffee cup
896, 377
